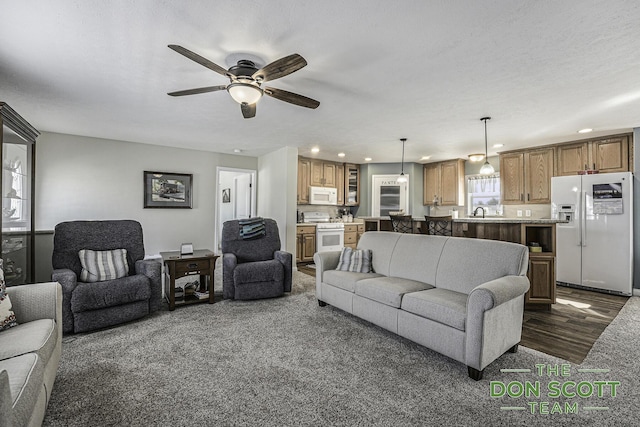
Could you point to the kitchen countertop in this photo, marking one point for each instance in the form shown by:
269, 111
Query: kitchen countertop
503, 220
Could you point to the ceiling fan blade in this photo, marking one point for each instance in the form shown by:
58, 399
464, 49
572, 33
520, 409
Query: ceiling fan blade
292, 98
197, 90
248, 111
280, 68
199, 59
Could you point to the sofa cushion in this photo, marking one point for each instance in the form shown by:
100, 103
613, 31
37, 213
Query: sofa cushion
345, 259
92, 296
26, 378
345, 280
37, 336
382, 245
388, 290
466, 263
98, 266
442, 305
7, 316
416, 257
259, 271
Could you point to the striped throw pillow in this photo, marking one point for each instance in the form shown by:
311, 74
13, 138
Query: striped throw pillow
360, 261
7, 316
98, 266
345, 259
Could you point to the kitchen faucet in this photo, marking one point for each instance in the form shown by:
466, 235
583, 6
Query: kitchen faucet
475, 212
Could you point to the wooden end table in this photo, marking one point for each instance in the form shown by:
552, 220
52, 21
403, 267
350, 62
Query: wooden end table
201, 262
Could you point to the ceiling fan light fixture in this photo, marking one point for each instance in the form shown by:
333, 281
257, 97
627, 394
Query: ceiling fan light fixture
245, 93
477, 157
486, 169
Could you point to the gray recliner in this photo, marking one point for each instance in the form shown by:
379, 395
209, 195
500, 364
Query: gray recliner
254, 267
89, 306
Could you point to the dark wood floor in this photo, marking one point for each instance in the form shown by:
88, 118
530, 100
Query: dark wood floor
572, 325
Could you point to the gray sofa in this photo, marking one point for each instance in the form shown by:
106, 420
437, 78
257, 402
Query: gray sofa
461, 297
89, 306
30, 353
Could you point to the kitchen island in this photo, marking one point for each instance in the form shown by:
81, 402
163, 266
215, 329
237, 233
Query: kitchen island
538, 234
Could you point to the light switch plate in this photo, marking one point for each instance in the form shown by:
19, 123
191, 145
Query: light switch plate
519, 212
527, 212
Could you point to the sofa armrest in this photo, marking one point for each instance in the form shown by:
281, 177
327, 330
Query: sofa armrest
6, 402
494, 319
229, 263
37, 301
324, 261
287, 260
491, 294
153, 270
68, 279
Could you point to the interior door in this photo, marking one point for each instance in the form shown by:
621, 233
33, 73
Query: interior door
242, 202
389, 195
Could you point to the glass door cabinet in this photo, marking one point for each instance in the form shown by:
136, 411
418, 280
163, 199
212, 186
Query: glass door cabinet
17, 149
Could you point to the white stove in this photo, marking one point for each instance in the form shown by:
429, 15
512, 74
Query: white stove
329, 235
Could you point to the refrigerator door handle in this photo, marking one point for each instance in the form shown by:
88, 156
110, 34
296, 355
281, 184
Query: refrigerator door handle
583, 218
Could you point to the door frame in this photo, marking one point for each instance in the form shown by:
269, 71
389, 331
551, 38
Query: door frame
218, 199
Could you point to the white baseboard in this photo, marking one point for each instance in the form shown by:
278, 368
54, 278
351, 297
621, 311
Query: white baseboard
636, 292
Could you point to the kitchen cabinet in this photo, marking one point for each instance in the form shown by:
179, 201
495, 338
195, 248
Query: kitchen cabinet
340, 184
304, 173
352, 234
610, 154
17, 183
444, 183
352, 184
323, 174
305, 242
525, 176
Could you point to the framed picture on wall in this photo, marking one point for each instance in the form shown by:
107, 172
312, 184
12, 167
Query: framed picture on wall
226, 195
167, 190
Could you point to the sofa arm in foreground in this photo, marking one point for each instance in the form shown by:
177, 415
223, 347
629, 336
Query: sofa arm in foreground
324, 261
494, 320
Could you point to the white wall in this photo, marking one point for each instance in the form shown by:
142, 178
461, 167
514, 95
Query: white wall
278, 172
90, 178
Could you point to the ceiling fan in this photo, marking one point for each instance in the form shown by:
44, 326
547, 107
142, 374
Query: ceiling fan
246, 80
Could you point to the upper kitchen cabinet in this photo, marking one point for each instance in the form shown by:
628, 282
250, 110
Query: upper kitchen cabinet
610, 154
444, 183
525, 176
17, 183
340, 183
323, 174
304, 172
352, 184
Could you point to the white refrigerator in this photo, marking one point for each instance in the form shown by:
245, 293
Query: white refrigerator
594, 249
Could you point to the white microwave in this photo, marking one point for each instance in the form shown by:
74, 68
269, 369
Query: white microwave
323, 196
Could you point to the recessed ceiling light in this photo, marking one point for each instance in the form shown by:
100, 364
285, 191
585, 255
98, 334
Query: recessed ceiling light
498, 145
315, 150
237, 150
341, 154
425, 157
585, 130
367, 159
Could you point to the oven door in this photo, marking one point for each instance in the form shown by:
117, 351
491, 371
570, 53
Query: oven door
329, 239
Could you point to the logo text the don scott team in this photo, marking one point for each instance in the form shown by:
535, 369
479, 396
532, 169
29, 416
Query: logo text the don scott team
562, 387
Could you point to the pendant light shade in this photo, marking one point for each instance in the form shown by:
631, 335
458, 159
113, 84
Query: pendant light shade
402, 178
486, 169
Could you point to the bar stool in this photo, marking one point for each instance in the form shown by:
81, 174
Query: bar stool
439, 225
402, 223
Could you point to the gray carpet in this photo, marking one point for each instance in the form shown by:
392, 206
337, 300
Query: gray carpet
287, 361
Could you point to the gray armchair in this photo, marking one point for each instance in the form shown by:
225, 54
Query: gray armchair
254, 268
89, 306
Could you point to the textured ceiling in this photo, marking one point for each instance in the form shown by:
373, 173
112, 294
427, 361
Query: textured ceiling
382, 70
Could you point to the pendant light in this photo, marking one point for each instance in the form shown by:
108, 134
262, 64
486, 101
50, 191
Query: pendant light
402, 178
486, 169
